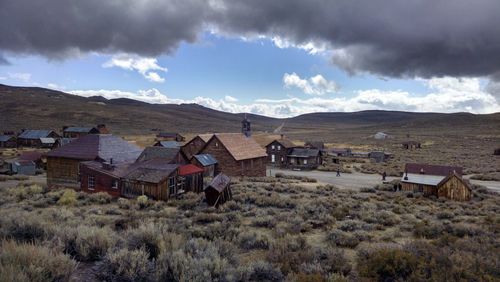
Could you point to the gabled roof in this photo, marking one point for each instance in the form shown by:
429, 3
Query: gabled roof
205, 159
98, 146
189, 169
168, 144
220, 182
432, 169
5, 138
285, 142
455, 174
35, 134
304, 153
205, 137
240, 146
156, 152
77, 129
315, 144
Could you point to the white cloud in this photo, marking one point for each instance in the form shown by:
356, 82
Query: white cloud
20, 76
147, 67
2, 78
316, 85
55, 86
446, 95
230, 98
310, 47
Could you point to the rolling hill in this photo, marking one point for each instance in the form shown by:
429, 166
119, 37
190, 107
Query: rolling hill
33, 107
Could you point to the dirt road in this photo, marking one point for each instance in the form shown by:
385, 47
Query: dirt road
357, 180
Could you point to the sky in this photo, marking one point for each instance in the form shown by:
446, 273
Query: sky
277, 58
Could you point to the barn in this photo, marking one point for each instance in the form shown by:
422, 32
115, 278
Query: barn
304, 158
207, 162
219, 191
8, 141
63, 162
195, 145
438, 181
190, 178
237, 155
31, 138
278, 151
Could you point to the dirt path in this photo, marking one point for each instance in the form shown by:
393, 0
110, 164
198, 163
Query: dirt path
357, 180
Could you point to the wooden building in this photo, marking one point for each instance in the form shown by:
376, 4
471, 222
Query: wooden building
410, 145
63, 162
219, 191
278, 151
170, 136
237, 155
31, 138
207, 162
47, 143
190, 178
23, 167
8, 141
76, 131
438, 181
102, 177
304, 158
34, 156
194, 146
340, 152
171, 155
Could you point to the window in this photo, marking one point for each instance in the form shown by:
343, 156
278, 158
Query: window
114, 184
272, 158
272, 147
305, 161
279, 147
171, 186
91, 182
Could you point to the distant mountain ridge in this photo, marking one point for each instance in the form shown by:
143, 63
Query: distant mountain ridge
35, 107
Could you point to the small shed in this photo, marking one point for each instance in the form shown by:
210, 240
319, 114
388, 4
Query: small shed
219, 190
409, 145
47, 143
340, 152
379, 156
207, 162
23, 167
8, 141
190, 179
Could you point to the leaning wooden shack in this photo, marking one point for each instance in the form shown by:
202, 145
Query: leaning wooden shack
219, 190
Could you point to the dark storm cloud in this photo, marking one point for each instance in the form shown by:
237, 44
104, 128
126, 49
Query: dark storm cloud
387, 37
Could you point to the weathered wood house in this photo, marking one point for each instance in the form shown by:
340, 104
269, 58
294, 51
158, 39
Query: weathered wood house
170, 136
190, 178
76, 131
219, 191
379, 156
171, 155
207, 162
63, 162
340, 152
410, 145
32, 138
278, 151
237, 155
304, 158
8, 141
438, 181
194, 146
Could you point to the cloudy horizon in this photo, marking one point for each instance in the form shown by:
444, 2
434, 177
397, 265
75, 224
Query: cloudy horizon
271, 58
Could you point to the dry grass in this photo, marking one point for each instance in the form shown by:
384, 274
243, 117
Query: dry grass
274, 228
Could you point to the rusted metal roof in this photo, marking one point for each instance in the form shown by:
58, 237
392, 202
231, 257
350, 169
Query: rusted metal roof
432, 169
156, 152
220, 182
189, 169
98, 146
240, 146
